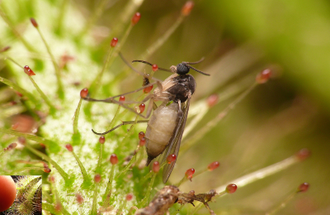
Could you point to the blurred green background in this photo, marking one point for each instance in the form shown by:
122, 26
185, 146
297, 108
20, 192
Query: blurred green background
238, 39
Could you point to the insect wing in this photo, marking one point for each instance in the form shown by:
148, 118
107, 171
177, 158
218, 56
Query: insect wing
174, 145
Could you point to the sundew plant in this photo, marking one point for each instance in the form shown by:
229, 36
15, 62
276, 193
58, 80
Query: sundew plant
242, 127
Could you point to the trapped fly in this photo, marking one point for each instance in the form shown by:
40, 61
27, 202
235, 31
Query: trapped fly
167, 123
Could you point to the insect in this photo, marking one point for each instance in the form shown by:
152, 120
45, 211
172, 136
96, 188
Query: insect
170, 195
167, 123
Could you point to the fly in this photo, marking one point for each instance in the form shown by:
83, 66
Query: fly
167, 123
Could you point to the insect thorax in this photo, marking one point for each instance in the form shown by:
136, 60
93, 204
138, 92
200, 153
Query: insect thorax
183, 87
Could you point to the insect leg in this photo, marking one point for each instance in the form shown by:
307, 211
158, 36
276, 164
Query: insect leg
121, 124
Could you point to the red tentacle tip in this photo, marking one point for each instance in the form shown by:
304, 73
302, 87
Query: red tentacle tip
231, 188
187, 7
264, 76
34, 22
102, 139
136, 18
84, 93
171, 158
189, 173
212, 166
113, 159
114, 42
28, 71
303, 187
155, 167
69, 147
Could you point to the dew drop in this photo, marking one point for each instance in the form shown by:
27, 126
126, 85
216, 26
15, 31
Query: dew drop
155, 167
187, 7
84, 93
114, 42
171, 158
136, 18
102, 139
113, 159
231, 188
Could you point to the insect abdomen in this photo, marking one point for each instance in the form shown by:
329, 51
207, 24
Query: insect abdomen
160, 129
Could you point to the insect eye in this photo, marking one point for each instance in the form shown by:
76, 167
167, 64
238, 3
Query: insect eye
182, 69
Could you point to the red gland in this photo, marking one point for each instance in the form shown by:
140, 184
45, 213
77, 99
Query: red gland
51, 179
189, 173
69, 147
141, 134
47, 170
129, 197
79, 198
212, 100
15, 126
102, 139
34, 22
142, 107
10, 147
97, 178
122, 98
148, 89
58, 207
187, 7
114, 42
142, 141
231, 188
113, 159
264, 76
155, 167
212, 166
154, 67
192, 192
4, 49
28, 71
303, 187
19, 94
171, 158
136, 18
303, 154
84, 93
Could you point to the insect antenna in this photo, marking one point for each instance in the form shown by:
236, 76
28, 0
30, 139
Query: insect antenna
196, 62
150, 64
197, 70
